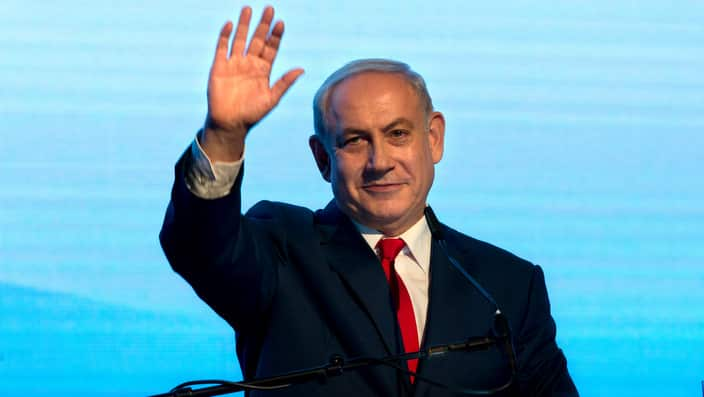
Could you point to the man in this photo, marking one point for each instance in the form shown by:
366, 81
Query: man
299, 286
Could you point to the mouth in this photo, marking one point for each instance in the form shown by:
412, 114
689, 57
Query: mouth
382, 187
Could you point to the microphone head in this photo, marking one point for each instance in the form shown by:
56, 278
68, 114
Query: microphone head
502, 333
501, 327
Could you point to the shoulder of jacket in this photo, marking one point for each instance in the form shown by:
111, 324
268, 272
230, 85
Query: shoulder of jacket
266, 209
483, 252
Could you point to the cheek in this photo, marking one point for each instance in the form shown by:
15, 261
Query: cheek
343, 177
346, 169
423, 170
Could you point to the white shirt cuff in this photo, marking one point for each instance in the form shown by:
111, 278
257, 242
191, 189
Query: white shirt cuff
207, 179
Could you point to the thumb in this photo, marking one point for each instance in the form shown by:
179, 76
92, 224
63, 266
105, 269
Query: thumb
284, 83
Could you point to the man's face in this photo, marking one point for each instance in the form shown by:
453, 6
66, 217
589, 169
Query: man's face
380, 151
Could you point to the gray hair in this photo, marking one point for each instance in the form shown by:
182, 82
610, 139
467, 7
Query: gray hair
322, 96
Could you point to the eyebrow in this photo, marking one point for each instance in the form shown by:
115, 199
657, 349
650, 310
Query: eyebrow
395, 123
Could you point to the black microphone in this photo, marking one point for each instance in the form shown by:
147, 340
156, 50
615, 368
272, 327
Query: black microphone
501, 327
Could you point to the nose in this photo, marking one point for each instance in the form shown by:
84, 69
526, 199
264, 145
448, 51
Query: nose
380, 160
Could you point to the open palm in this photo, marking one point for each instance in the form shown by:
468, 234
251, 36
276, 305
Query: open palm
239, 90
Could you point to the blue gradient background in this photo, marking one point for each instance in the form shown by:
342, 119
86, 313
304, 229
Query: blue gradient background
575, 139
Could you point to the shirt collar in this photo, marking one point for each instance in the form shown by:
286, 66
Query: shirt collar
417, 239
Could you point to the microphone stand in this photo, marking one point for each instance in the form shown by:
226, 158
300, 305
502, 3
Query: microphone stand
501, 328
336, 367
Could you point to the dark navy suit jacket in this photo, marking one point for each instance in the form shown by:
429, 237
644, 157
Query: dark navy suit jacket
299, 286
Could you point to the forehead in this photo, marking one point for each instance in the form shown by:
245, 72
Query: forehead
373, 97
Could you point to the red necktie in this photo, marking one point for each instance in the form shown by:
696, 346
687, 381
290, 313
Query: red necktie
389, 249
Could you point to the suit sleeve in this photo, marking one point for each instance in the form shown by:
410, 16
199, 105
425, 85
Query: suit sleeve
542, 367
228, 259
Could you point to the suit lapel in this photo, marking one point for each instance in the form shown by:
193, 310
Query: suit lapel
456, 311
452, 298
359, 269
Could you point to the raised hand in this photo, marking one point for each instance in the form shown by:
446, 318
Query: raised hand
239, 90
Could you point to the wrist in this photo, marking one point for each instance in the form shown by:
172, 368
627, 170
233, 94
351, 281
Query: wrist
222, 145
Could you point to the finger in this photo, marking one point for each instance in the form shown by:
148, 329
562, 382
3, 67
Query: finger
271, 46
285, 82
257, 42
223, 41
240, 40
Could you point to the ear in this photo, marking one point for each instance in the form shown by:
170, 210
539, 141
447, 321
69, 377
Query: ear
322, 158
436, 135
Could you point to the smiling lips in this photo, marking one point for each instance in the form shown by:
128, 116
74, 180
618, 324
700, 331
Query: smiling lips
382, 187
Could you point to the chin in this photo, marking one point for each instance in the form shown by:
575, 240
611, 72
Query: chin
387, 217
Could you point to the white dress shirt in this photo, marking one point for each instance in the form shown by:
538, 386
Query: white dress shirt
210, 180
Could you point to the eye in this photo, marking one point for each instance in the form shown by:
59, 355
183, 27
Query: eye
399, 135
352, 141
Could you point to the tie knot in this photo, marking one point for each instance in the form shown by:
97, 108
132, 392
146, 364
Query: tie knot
390, 247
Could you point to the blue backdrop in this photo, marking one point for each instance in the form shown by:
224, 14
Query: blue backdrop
575, 137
